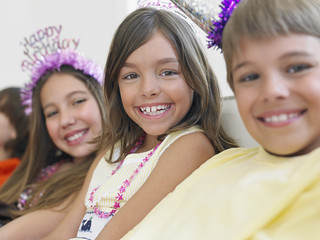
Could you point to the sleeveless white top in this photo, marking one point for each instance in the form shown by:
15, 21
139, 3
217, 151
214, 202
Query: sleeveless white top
109, 185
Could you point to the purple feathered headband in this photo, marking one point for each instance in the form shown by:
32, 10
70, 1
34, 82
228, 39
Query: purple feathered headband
215, 35
53, 62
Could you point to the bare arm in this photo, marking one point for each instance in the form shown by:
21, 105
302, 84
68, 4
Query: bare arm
176, 163
68, 227
35, 224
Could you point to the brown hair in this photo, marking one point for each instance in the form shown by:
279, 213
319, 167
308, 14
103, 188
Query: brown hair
41, 152
11, 106
205, 111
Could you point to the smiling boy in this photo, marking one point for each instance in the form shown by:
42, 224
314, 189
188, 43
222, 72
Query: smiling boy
272, 53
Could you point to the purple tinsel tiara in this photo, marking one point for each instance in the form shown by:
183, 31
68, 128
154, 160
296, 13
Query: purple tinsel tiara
53, 62
215, 35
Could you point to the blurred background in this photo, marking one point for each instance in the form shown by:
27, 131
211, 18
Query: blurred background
93, 22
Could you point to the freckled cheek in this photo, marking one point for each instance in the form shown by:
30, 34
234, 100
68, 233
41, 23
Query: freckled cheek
52, 130
127, 99
126, 96
239, 102
92, 116
97, 123
245, 99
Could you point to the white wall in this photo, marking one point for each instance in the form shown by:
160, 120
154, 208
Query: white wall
93, 22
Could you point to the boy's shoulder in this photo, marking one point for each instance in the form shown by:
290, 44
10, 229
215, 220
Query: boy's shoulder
238, 151
256, 155
229, 157
235, 153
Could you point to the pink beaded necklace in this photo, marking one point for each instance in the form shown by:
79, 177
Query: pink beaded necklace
125, 184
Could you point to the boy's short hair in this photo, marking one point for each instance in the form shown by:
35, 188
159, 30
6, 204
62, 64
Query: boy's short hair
258, 19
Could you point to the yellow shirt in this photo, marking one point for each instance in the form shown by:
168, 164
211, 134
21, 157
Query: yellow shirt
241, 194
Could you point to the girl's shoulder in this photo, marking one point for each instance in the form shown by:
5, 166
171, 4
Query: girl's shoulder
187, 140
50, 170
172, 137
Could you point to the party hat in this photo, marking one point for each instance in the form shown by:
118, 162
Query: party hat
45, 51
210, 15
202, 12
170, 6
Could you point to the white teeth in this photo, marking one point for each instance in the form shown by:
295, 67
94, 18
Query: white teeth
292, 115
280, 118
155, 110
283, 117
76, 136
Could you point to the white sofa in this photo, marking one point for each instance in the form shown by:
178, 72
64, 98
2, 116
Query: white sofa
233, 124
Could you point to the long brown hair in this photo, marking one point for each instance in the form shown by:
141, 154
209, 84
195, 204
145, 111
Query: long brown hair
42, 152
10, 105
205, 111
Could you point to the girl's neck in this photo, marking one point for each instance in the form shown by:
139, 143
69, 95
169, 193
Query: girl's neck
149, 143
78, 160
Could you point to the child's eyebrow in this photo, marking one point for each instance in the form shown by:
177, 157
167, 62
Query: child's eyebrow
286, 55
69, 95
240, 65
167, 60
160, 61
127, 64
295, 54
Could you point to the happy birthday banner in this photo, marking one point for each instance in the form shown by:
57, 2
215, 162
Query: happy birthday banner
42, 42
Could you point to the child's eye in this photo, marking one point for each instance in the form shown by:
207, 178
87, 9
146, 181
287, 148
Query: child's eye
249, 78
50, 114
130, 76
79, 101
297, 68
168, 73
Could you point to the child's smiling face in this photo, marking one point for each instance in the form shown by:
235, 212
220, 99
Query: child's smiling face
153, 90
277, 88
72, 115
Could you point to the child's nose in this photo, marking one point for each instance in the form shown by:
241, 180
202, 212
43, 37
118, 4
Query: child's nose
150, 86
274, 88
67, 118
